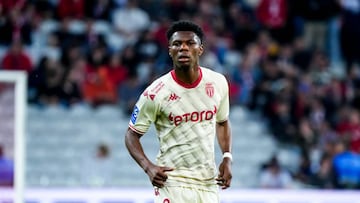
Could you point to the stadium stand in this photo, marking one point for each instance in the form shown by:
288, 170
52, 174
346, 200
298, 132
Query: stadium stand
293, 69
58, 151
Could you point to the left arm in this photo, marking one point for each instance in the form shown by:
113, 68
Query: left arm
223, 131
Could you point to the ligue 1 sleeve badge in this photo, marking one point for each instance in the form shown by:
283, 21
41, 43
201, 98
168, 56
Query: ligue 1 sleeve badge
209, 88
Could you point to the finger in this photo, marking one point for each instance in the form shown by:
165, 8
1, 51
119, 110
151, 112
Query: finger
227, 182
158, 184
167, 169
220, 181
163, 170
160, 178
157, 181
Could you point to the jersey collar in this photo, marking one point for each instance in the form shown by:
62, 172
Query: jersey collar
186, 85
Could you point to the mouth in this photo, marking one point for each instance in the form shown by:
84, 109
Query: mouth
184, 58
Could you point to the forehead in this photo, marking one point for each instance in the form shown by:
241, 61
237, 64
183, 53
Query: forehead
184, 36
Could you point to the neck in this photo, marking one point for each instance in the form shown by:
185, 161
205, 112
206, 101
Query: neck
187, 75
187, 79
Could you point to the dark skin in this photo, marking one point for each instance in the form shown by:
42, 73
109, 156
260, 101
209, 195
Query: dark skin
185, 48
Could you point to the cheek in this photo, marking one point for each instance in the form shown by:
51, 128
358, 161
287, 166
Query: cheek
171, 53
196, 53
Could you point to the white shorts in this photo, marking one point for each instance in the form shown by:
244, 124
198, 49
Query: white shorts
185, 195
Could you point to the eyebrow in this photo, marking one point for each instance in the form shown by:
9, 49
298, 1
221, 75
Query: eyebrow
178, 40
195, 39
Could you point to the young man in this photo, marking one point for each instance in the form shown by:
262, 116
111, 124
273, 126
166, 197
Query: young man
189, 106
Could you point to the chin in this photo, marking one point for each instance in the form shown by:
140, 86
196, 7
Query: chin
184, 67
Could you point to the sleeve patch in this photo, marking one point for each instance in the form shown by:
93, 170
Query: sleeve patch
134, 115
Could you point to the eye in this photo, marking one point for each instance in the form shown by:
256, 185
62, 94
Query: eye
176, 44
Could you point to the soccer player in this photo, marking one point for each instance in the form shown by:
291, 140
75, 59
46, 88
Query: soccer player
189, 106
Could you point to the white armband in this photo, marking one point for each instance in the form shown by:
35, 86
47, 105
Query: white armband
228, 155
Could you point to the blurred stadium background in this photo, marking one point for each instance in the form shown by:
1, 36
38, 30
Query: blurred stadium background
294, 74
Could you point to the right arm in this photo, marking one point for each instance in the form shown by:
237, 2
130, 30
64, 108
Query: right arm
157, 174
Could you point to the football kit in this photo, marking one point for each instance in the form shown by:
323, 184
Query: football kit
185, 117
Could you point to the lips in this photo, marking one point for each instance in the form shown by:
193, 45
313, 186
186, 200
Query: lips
183, 58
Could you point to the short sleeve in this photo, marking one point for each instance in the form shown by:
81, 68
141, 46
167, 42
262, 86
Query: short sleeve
144, 114
223, 111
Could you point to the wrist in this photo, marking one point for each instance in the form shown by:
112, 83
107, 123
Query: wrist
227, 155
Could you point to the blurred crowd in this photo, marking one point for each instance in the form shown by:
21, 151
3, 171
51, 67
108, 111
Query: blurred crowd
294, 62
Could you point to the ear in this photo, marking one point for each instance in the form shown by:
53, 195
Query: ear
201, 49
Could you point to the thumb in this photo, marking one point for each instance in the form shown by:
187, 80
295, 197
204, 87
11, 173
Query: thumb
167, 169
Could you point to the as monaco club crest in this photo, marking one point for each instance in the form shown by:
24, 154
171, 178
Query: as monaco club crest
209, 88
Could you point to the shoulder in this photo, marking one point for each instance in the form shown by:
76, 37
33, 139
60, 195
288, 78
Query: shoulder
158, 87
208, 73
214, 77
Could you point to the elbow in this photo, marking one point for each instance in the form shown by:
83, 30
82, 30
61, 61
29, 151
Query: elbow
131, 137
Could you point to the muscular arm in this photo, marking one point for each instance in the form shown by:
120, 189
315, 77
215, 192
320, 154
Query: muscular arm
133, 145
157, 174
223, 132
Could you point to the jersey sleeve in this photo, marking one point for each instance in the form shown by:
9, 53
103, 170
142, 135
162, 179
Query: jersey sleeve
223, 111
144, 114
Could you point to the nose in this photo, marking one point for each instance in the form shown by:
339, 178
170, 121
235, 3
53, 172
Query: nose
184, 46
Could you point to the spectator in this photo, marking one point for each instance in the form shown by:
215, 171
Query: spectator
129, 59
346, 167
281, 124
118, 72
130, 21
97, 172
349, 129
322, 177
71, 90
91, 39
244, 77
316, 15
303, 173
98, 88
147, 47
17, 27
7, 6
73, 9
274, 176
6, 169
49, 89
302, 55
240, 22
17, 59
350, 32
65, 36
274, 17
99, 9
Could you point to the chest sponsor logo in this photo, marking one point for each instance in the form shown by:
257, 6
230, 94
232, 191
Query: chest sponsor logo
134, 115
195, 116
209, 88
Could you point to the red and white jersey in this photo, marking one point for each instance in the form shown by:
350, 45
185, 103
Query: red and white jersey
184, 117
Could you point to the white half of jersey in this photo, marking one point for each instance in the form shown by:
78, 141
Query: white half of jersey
184, 117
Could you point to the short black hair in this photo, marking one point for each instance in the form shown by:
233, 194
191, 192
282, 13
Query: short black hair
184, 25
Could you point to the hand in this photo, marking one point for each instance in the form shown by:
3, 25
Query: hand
157, 175
224, 177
